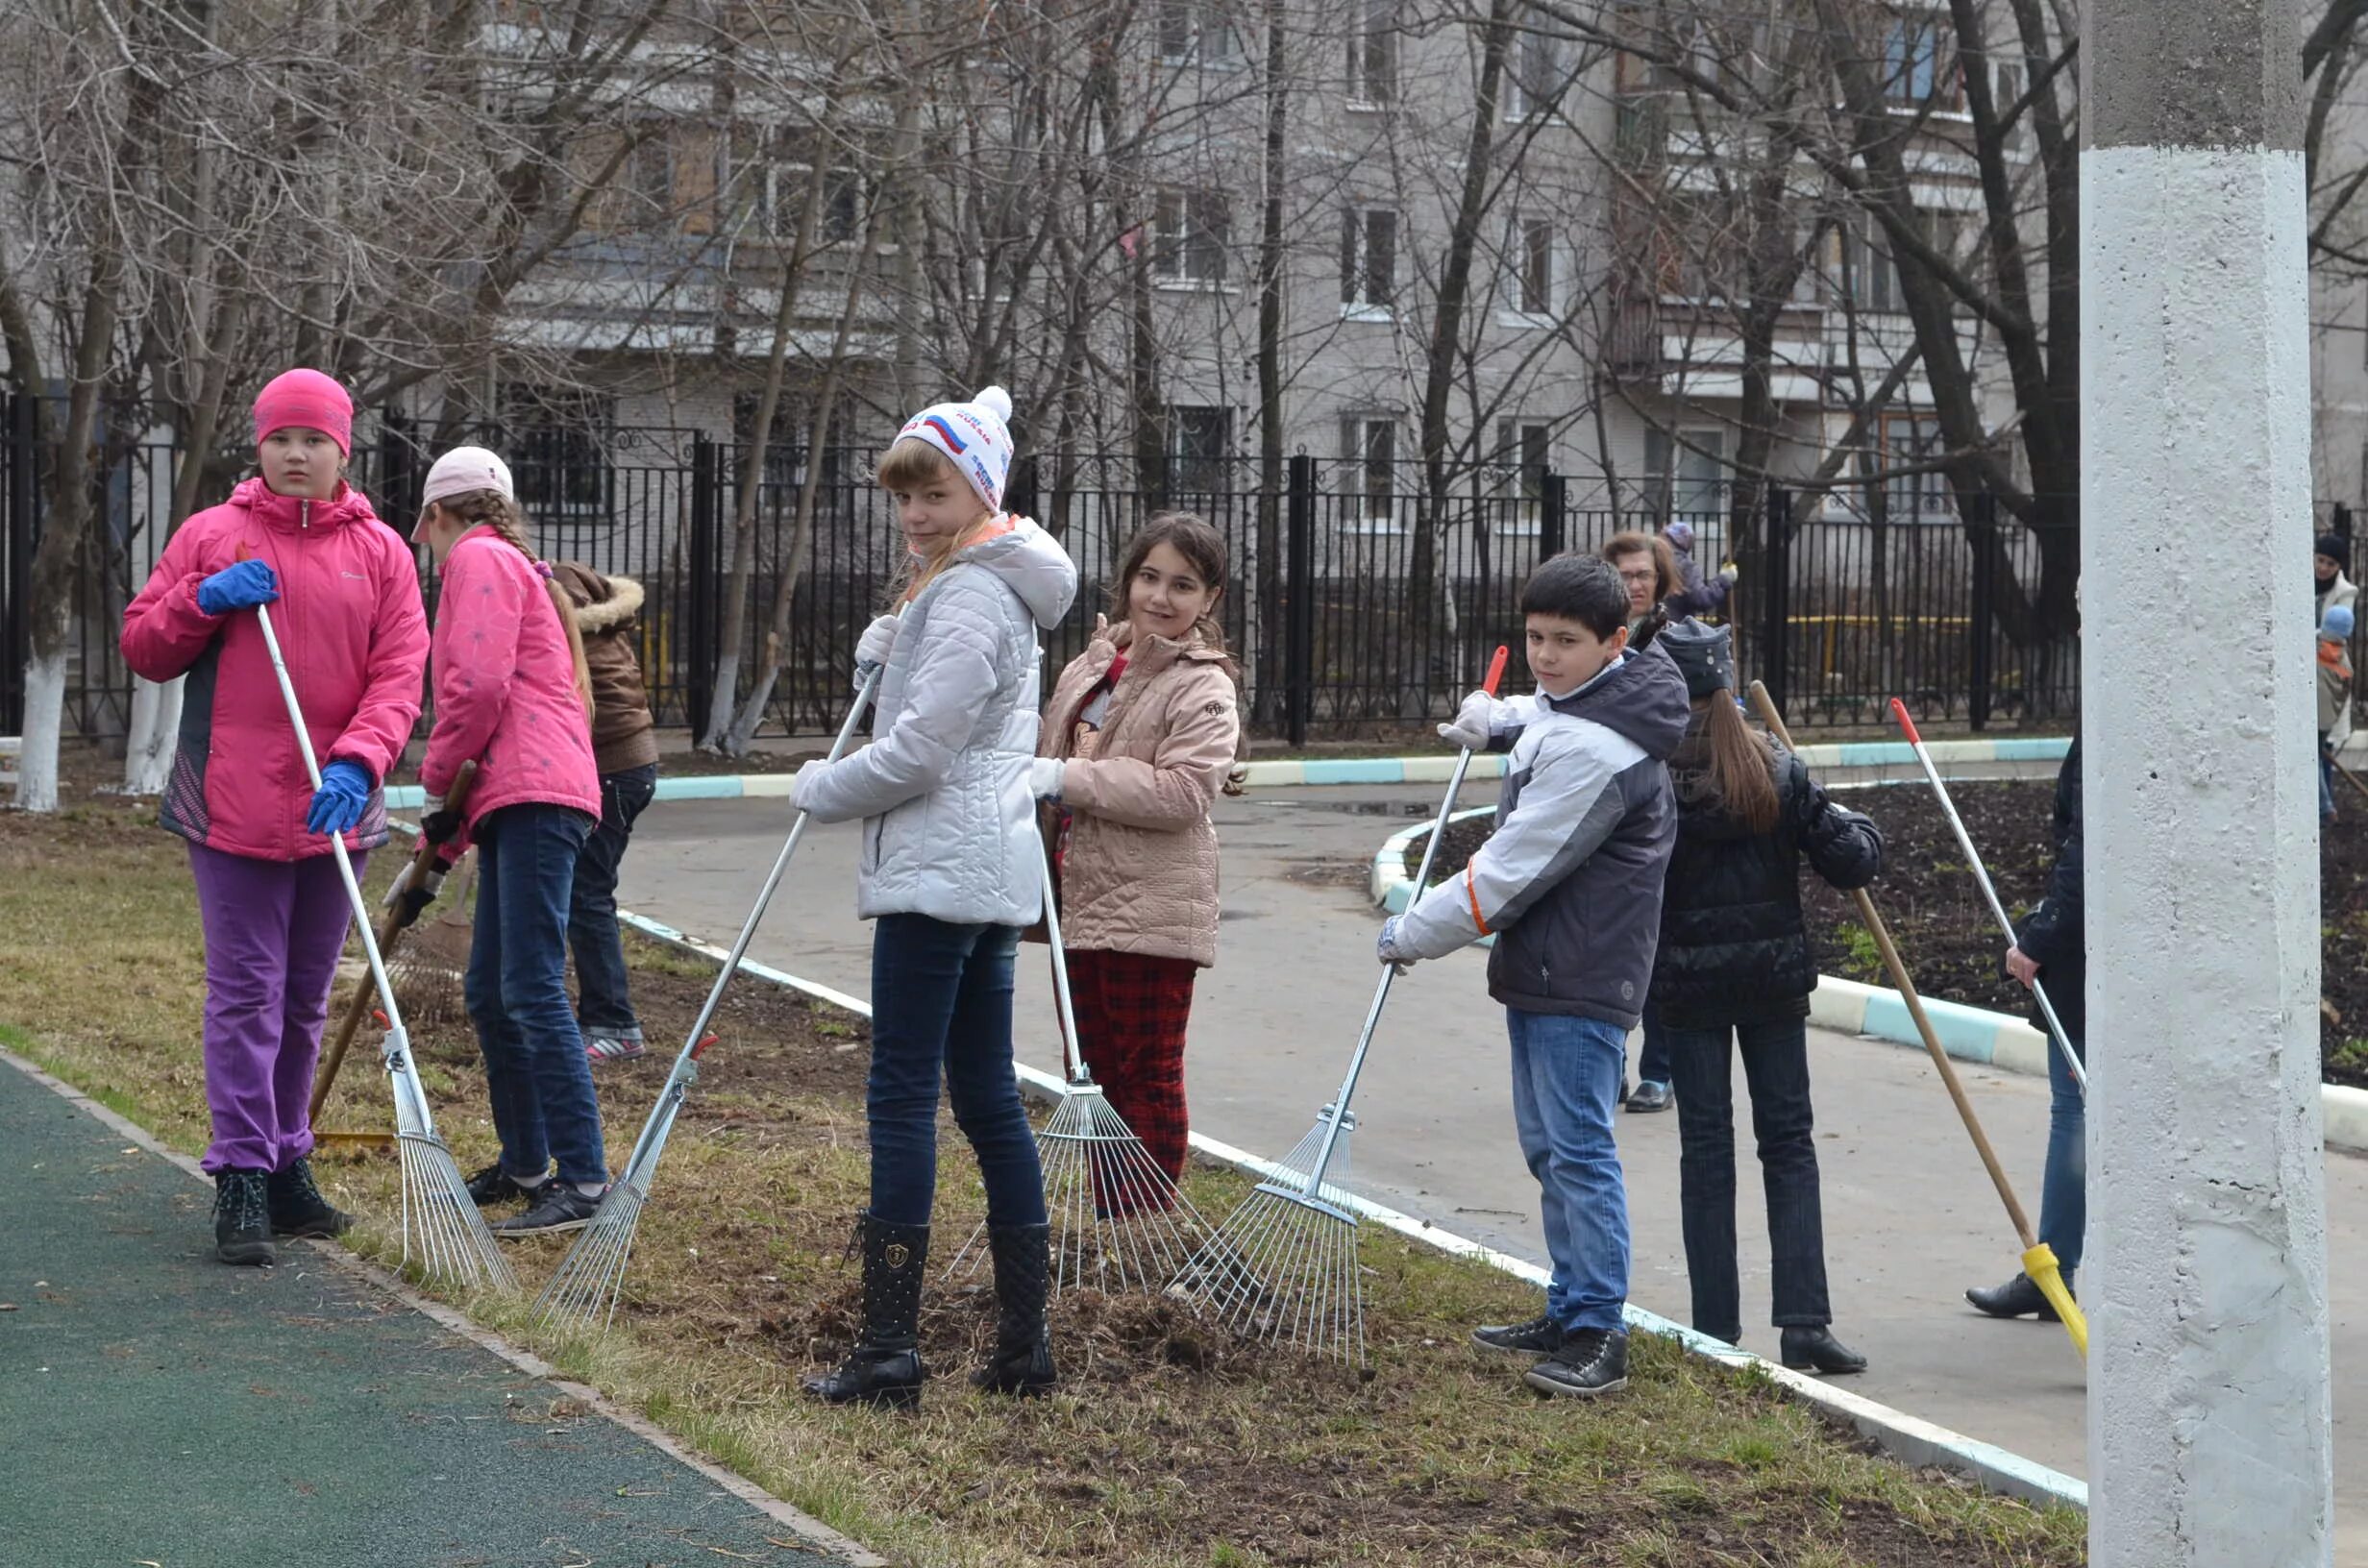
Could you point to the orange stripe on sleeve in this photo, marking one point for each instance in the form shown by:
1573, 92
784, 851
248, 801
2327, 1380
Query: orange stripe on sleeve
1472, 895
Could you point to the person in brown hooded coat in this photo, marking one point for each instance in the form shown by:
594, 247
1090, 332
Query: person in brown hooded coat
624, 751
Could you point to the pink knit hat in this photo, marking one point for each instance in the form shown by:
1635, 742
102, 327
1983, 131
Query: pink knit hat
309, 398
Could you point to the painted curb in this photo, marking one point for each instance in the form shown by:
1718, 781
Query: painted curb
1908, 1438
809, 1529
1853, 1007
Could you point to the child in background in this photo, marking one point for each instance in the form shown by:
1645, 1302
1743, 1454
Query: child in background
1734, 974
624, 751
1141, 734
513, 693
2335, 696
269, 891
1570, 884
1696, 594
953, 869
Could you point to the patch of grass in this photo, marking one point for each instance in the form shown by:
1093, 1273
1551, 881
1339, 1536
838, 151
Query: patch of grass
1861, 959
1167, 1444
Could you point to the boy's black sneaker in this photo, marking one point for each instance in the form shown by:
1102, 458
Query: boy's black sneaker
1591, 1361
1536, 1338
493, 1185
558, 1207
297, 1205
242, 1218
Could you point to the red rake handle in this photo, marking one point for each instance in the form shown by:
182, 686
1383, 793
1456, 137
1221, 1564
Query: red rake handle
1899, 711
701, 1049
1497, 670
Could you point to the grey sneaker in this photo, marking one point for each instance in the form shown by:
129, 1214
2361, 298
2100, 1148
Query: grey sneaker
614, 1046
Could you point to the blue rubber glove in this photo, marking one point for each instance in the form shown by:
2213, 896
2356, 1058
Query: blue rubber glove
238, 587
339, 803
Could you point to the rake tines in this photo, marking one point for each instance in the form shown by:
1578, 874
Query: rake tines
1284, 1265
1119, 1221
439, 1217
590, 1279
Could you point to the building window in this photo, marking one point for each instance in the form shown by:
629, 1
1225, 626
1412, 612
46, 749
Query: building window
1196, 32
1368, 461
1912, 67
1533, 70
1869, 279
1522, 446
1533, 259
1372, 52
1909, 440
558, 440
1686, 474
776, 170
2007, 81
1191, 230
1369, 260
1202, 446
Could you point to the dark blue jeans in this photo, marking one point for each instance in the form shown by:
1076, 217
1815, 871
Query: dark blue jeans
604, 998
1653, 1057
536, 1069
1776, 1069
941, 1008
2064, 1191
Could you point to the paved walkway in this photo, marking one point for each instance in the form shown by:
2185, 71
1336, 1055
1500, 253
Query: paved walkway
1910, 1220
165, 1410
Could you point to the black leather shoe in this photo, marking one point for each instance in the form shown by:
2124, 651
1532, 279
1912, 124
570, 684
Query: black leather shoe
885, 1368
1816, 1350
1650, 1096
1022, 1360
1538, 1338
2018, 1297
1591, 1361
297, 1205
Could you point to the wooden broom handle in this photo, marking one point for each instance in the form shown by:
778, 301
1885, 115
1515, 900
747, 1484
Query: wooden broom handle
1892, 960
391, 925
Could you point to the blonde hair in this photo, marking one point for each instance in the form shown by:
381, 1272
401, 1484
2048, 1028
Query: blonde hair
492, 509
909, 465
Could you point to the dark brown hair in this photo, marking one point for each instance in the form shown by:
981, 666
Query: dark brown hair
1204, 548
1742, 769
492, 509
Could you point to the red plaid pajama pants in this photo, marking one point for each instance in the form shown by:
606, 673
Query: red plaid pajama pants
1132, 1010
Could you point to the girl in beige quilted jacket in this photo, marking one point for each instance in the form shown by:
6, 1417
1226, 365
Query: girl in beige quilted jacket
1142, 733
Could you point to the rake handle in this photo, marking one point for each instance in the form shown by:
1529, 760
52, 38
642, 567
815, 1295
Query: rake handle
391, 927
1989, 890
1381, 988
1899, 969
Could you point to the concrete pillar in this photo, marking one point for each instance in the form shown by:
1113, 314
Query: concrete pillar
2205, 1278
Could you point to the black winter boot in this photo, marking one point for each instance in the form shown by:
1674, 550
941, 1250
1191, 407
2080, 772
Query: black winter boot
1022, 1359
1814, 1349
297, 1205
242, 1218
2018, 1297
885, 1368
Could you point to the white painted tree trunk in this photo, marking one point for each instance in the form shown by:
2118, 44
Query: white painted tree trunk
37, 766
155, 723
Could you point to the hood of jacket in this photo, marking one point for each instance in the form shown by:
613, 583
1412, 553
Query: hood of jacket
1024, 555
266, 506
1642, 699
603, 603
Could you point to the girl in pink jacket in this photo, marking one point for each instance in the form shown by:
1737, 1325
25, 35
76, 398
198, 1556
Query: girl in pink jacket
1141, 734
345, 603
513, 694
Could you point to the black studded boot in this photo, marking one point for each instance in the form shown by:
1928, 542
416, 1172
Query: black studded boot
1022, 1360
885, 1368
242, 1218
297, 1205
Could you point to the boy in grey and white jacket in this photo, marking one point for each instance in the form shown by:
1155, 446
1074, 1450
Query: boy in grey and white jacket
1569, 885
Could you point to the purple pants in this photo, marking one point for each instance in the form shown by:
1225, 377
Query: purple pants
273, 932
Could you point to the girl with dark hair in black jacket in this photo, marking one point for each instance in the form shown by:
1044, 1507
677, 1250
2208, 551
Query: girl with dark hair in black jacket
1735, 969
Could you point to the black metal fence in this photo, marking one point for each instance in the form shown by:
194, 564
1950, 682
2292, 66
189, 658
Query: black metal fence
1357, 602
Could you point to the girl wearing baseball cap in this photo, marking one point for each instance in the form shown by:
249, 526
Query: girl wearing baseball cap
513, 693
347, 614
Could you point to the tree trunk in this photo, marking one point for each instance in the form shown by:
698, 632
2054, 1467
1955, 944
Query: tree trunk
36, 763
156, 731
1271, 669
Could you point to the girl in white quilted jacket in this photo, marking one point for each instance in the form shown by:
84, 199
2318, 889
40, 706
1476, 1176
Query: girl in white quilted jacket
1141, 736
951, 872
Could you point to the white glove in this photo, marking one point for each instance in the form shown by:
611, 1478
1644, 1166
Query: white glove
1387, 951
1044, 777
1727, 572
871, 647
1470, 728
811, 769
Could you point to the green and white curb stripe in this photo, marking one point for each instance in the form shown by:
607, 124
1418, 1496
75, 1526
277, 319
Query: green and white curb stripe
1908, 1438
669, 787
1852, 1007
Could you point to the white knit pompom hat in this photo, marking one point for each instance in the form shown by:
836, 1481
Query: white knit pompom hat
975, 437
